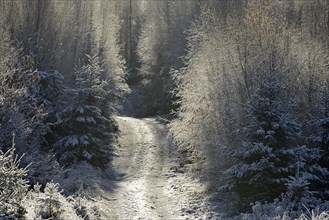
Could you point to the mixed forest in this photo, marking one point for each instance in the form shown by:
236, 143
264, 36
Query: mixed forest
243, 85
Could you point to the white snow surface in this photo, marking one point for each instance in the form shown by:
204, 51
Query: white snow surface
143, 182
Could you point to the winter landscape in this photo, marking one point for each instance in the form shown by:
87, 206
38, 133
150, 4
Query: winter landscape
164, 109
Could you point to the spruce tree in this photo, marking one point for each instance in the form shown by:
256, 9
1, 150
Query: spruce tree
84, 128
272, 158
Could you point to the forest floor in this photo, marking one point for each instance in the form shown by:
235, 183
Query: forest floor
146, 180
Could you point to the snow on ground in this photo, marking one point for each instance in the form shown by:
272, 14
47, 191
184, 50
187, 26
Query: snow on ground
144, 182
147, 186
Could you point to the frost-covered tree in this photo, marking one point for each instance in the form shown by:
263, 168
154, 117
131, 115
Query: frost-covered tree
19, 110
273, 157
206, 92
83, 129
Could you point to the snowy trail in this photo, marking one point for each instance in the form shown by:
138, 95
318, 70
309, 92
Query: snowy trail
146, 184
141, 165
144, 151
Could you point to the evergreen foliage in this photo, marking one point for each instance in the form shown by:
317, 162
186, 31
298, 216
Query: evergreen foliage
49, 89
272, 159
84, 130
50, 204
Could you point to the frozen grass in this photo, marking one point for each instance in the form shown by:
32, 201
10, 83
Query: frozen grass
314, 215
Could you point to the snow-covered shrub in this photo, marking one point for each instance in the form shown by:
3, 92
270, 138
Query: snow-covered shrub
81, 206
284, 208
50, 204
13, 187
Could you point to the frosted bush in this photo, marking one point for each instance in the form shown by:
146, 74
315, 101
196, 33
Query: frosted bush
13, 187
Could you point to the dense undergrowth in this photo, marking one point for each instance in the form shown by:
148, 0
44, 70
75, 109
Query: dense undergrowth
19, 201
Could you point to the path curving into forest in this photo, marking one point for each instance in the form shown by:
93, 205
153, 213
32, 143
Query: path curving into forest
141, 165
147, 184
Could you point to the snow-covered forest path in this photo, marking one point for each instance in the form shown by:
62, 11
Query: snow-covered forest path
147, 184
141, 166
